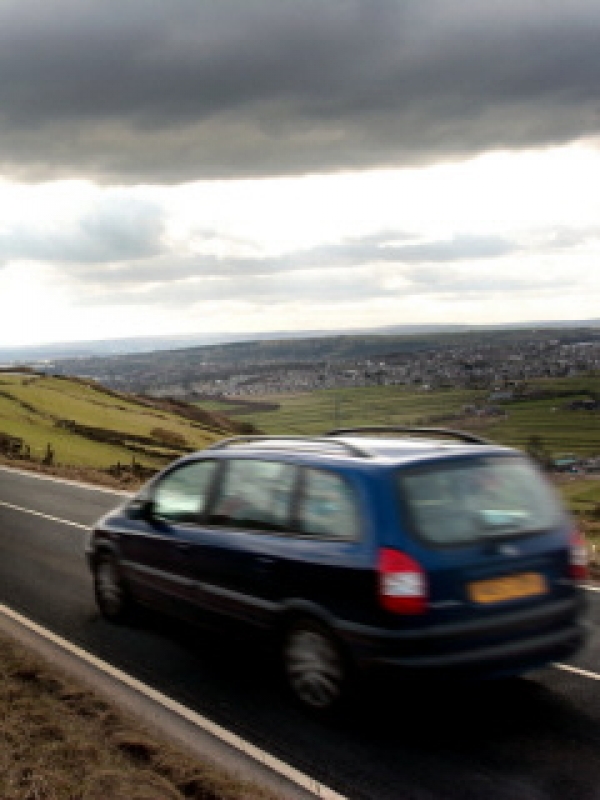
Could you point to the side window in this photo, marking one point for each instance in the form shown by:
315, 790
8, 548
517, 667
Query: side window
255, 494
328, 506
181, 495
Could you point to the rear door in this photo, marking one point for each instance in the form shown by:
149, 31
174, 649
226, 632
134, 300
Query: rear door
488, 530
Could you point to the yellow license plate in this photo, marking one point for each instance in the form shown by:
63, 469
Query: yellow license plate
510, 587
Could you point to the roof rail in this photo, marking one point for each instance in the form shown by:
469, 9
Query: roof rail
352, 449
462, 436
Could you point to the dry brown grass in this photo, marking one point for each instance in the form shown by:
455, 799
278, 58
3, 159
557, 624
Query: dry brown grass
61, 741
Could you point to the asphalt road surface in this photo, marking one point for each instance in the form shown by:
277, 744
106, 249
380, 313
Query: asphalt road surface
529, 738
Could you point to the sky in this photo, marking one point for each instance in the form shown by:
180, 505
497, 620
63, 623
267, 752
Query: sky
219, 166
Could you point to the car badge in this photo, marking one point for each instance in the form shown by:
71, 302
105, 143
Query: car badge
508, 550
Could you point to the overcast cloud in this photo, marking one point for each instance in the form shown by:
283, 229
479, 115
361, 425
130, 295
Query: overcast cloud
342, 288
248, 165
99, 244
116, 230
149, 91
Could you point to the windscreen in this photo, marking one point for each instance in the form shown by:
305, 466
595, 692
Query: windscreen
476, 498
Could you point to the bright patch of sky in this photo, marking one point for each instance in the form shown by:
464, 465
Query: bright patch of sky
502, 237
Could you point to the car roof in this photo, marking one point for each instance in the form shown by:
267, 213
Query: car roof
375, 444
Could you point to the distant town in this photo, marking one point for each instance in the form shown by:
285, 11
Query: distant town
497, 361
472, 367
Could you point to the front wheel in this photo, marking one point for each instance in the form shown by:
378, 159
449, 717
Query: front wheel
111, 593
315, 668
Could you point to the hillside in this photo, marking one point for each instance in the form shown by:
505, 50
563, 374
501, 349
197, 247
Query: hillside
57, 422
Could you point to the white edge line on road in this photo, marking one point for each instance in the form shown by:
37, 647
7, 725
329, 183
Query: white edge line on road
92, 487
577, 671
44, 516
276, 765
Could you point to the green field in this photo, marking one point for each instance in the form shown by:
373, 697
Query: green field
560, 430
582, 494
38, 409
319, 411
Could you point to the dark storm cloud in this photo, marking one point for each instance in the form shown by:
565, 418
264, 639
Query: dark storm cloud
143, 90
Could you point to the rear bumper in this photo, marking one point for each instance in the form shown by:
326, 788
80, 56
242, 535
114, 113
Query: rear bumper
500, 659
509, 643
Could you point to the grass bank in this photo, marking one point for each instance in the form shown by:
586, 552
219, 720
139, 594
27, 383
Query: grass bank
78, 425
582, 496
61, 741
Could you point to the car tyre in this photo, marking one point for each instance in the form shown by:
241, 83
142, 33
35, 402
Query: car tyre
315, 668
111, 593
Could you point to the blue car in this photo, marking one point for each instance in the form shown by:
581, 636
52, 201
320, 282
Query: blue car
409, 551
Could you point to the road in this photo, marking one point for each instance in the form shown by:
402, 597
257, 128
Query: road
536, 737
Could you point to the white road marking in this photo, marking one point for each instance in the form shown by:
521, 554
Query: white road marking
45, 516
577, 671
92, 487
276, 765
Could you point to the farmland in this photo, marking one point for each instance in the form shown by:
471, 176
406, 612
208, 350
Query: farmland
540, 411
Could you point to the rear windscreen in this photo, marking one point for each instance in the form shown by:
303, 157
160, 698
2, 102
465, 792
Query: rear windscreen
466, 500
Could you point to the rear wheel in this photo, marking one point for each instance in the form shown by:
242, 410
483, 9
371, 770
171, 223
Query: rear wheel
110, 590
315, 668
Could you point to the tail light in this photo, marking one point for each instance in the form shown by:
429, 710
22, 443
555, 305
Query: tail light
578, 557
403, 585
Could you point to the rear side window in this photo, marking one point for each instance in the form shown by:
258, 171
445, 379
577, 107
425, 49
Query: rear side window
328, 506
462, 501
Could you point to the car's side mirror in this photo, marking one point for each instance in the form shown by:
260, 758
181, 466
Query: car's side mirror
141, 508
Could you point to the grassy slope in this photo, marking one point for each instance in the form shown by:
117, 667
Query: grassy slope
582, 495
30, 408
